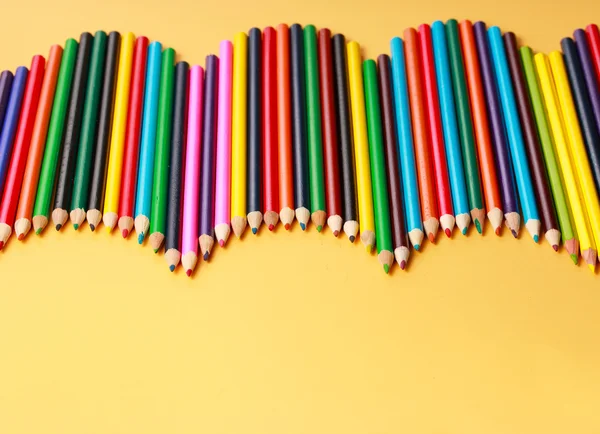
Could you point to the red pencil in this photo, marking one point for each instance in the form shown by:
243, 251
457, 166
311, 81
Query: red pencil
16, 168
436, 134
593, 35
269, 96
333, 195
132, 137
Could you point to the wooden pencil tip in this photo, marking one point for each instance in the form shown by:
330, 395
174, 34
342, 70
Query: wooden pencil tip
514, 233
478, 226
555, 247
319, 228
536, 238
336, 233
58, 226
302, 226
417, 247
386, 268
351, 238
92, 227
125, 233
448, 232
271, 227
171, 268
222, 243
498, 231
21, 237
431, 238
287, 226
188, 273
402, 265
141, 238
206, 255
254, 231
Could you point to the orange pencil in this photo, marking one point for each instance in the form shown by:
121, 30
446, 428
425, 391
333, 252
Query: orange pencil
38, 143
482, 131
427, 190
284, 127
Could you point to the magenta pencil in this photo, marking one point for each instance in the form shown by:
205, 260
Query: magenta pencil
223, 186
191, 189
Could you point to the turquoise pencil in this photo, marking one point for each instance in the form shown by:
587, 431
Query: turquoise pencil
143, 197
515, 134
456, 172
406, 153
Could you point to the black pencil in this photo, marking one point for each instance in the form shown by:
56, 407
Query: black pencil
299, 139
174, 204
107, 102
66, 171
346, 147
254, 162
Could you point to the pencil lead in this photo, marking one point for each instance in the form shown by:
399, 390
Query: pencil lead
172, 268
271, 227
287, 226
448, 232
536, 238
464, 231
555, 247
75, 226
58, 226
125, 232
319, 228
222, 243
575, 258
417, 247
302, 226
188, 273
402, 265
1, 244
141, 238
254, 231
351, 238
514, 233
92, 227
336, 233
39, 231
155, 250
498, 231
205, 256
386, 268
478, 225
21, 237
431, 237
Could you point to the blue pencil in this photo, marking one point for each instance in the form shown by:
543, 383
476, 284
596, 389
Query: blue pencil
406, 153
460, 199
515, 135
6, 79
143, 197
11, 119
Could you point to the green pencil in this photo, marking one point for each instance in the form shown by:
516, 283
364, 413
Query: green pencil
54, 138
560, 201
381, 207
465, 126
162, 153
313, 124
89, 124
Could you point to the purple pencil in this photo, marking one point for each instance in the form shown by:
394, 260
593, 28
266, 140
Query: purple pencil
191, 190
209, 142
591, 81
6, 79
508, 192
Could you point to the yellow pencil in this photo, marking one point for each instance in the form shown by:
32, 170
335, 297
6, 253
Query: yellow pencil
238, 135
361, 147
117, 139
579, 157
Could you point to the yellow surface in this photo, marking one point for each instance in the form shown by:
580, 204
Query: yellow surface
292, 332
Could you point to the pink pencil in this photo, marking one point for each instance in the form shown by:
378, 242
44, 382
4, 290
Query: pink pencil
223, 184
191, 189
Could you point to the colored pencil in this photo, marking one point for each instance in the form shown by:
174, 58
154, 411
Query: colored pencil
174, 202
361, 147
89, 123
37, 143
344, 127
162, 153
117, 138
314, 129
483, 140
299, 140
223, 182
591, 80
102, 138
394, 186
515, 136
593, 36
572, 188
583, 107
16, 168
385, 253
435, 132
6, 80
269, 120
45, 187
508, 192
191, 190
456, 173
11, 121
532, 144
562, 210
143, 192
578, 154
254, 139
284, 128
132, 137
207, 165
333, 196
425, 175
465, 125
238, 134
131, 152
70, 139
408, 171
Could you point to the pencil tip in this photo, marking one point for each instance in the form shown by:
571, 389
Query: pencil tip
21, 237
39, 231
271, 227
302, 226
205, 256
351, 238
431, 237
417, 247
319, 228
221, 243
555, 247
254, 231
536, 238
575, 258
141, 238
402, 265
125, 232
478, 225
1, 244
336, 233
155, 250
386, 268
188, 273
93, 228
287, 226
448, 232
464, 231
58, 226
75, 226
497, 231
172, 268
514, 233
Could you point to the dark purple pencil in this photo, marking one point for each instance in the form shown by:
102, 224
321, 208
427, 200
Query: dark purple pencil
502, 157
6, 79
589, 73
208, 161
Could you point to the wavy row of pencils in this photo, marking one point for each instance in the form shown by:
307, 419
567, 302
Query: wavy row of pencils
459, 123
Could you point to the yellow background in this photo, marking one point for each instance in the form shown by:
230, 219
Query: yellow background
292, 332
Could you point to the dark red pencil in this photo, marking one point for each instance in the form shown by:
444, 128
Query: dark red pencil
132, 137
269, 119
333, 196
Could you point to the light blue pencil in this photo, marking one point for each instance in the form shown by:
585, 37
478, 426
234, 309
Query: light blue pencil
460, 199
406, 152
143, 197
515, 135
